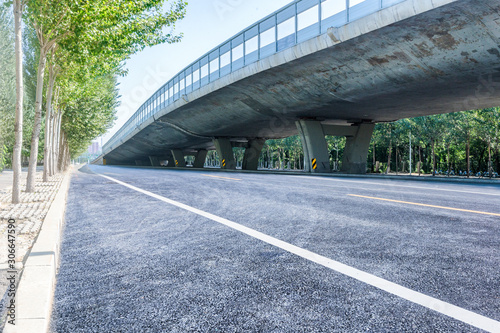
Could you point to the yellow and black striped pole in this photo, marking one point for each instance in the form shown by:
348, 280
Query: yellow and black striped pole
314, 164
223, 163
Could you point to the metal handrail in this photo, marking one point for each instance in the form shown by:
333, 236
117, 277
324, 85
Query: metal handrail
329, 13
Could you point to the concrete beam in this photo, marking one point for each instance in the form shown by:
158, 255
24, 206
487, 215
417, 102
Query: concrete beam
356, 149
179, 159
225, 151
252, 154
336, 130
200, 158
313, 139
155, 161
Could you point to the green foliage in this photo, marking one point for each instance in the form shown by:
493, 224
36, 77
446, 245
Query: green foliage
87, 43
449, 133
7, 77
7, 83
3, 157
109, 31
89, 111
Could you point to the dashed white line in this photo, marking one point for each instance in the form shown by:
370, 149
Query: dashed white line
429, 302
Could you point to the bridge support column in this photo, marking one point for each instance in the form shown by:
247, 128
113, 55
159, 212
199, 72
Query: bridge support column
356, 150
179, 159
140, 163
155, 161
317, 159
171, 162
225, 152
199, 159
252, 154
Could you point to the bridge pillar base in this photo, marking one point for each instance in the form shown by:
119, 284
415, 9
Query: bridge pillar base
155, 161
170, 162
252, 154
225, 152
179, 160
317, 159
356, 150
141, 163
200, 158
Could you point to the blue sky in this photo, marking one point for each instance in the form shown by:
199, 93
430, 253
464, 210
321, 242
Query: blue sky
208, 23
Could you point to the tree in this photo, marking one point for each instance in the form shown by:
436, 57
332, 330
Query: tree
430, 128
18, 125
89, 111
488, 121
464, 124
107, 32
7, 82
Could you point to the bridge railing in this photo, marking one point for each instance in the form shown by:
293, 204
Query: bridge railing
297, 22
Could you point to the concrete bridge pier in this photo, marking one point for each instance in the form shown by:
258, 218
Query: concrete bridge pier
179, 160
199, 159
225, 151
143, 162
312, 134
170, 161
155, 161
317, 159
356, 149
252, 154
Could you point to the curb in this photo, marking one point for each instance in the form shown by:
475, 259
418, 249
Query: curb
37, 285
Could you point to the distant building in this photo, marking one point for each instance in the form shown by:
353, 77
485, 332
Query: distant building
95, 148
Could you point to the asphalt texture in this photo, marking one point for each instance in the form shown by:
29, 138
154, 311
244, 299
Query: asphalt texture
132, 263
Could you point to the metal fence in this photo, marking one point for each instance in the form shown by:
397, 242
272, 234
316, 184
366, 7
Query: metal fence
297, 22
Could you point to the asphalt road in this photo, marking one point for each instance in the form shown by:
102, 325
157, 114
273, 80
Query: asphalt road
133, 263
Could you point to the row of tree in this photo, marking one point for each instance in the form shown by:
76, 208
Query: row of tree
65, 84
449, 143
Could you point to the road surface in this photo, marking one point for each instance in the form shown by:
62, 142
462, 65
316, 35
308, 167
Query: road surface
157, 250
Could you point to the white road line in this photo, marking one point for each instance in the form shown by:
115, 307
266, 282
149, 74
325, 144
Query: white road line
432, 303
394, 185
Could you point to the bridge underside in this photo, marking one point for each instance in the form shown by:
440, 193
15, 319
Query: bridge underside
440, 61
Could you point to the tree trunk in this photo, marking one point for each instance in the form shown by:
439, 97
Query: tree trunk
374, 158
467, 156
268, 158
18, 125
67, 155
57, 142
490, 164
48, 123
52, 142
397, 155
35, 137
389, 158
419, 160
498, 157
433, 157
60, 157
448, 159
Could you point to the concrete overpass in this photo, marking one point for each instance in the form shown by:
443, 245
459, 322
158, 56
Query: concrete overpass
316, 68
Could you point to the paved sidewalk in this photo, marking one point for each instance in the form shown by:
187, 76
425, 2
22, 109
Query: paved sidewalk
6, 179
29, 215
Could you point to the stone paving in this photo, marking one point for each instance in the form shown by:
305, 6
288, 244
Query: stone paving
29, 215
